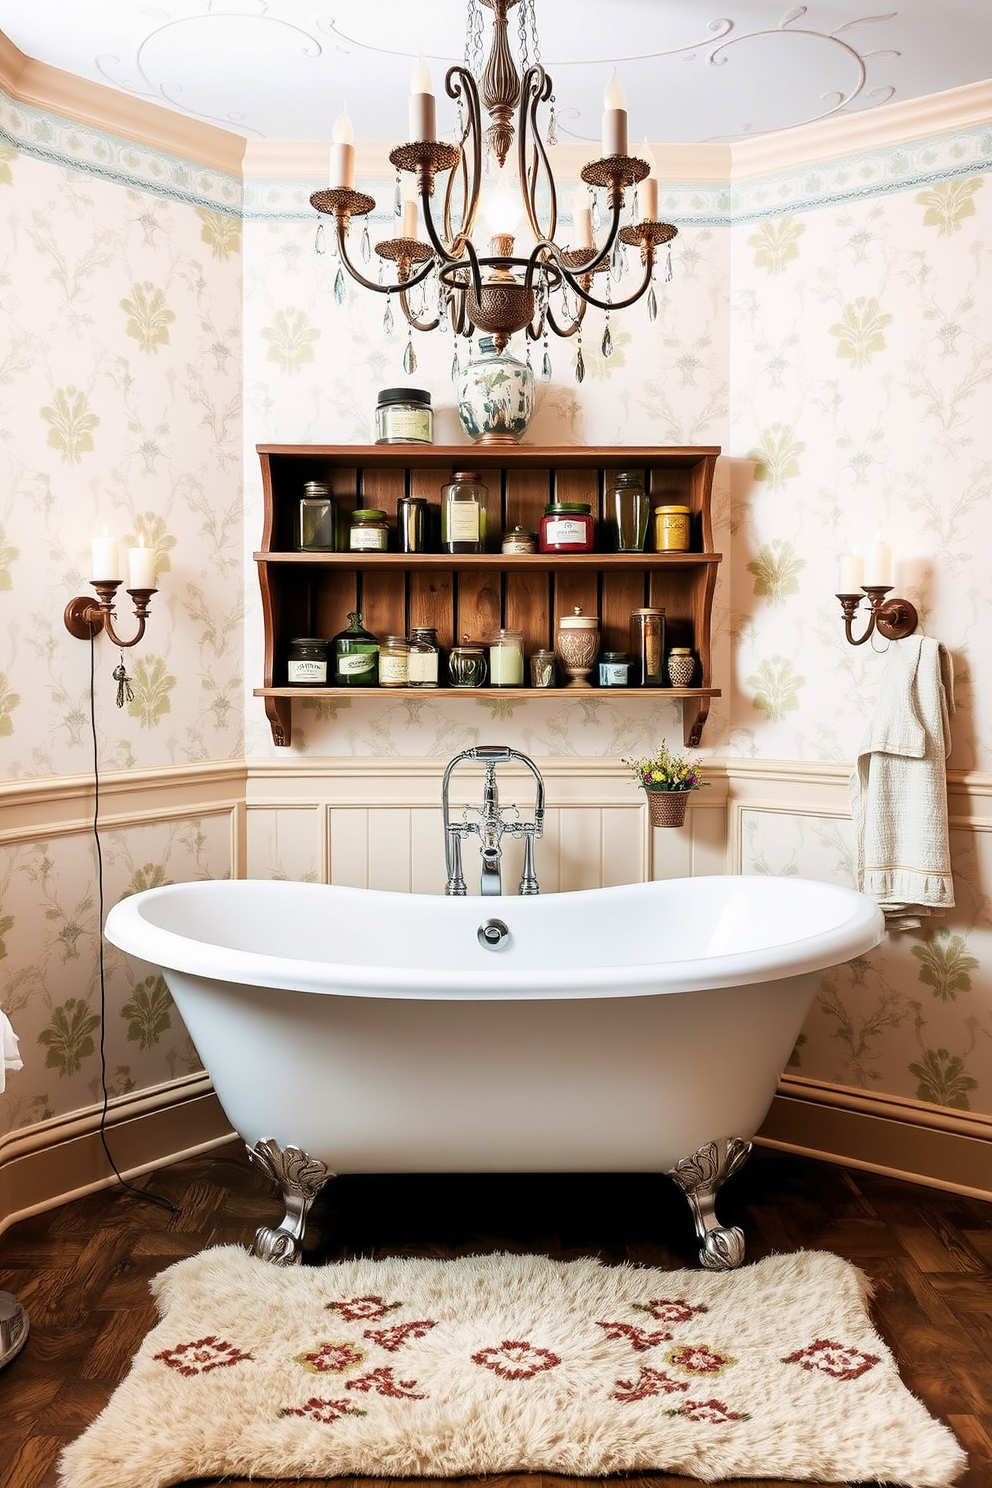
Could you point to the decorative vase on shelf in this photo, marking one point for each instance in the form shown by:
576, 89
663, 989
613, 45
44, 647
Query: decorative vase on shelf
666, 808
495, 395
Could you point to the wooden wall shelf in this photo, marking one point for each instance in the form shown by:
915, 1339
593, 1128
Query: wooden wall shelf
473, 594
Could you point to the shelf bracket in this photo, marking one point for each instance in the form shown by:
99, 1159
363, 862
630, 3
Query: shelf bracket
694, 715
279, 712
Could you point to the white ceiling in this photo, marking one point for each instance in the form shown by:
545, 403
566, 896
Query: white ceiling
691, 71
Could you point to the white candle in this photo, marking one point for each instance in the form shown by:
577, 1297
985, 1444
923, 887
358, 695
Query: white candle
409, 228
141, 567
649, 187
105, 557
878, 565
582, 219
341, 175
614, 118
423, 122
851, 572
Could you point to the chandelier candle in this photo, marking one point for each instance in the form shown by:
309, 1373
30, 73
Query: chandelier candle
423, 122
342, 169
614, 118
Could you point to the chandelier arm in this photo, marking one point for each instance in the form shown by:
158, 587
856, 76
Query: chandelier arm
418, 325
459, 83
591, 299
356, 274
576, 325
536, 88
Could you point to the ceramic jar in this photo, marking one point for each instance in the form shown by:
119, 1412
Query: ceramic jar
576, 645
495, 395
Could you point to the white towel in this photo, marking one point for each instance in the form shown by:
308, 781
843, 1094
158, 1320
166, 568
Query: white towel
899, 786
8, 1046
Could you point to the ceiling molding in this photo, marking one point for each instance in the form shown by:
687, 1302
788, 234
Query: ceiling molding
860, 133
43, 87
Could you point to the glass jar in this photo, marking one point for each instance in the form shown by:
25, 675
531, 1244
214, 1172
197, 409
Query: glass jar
681, 666
506, 659
394, 662
671, 529
306, 662
467, 665
404, 416
566, 527
647, 647
356, 655
425, 656
542, 668
369, 532
614, 668
316, 530
463, 513
519, 540
411, 524
629, 510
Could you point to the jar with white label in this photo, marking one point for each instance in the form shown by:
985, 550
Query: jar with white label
463, 513
306, 662
369, 533
394, 662
566, 527
356, 655
404, 416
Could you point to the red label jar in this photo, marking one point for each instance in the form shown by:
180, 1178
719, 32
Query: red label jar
566, 527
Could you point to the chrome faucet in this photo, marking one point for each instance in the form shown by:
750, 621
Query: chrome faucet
490, 824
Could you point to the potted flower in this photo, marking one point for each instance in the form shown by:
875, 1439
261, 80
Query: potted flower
667, 779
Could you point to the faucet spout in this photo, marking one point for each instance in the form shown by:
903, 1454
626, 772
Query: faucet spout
492, 823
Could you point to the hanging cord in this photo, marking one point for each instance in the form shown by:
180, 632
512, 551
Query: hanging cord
142, 1193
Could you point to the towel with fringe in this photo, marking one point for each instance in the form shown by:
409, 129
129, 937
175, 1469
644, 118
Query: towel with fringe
899, 786
8, 1048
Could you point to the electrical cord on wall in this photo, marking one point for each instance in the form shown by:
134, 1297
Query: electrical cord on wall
142, 1193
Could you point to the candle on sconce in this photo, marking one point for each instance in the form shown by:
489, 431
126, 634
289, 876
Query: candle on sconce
878, 565
423, 119
141, 567
851, 573
648, 188
105, 557
341, 176
614, 118
582, 219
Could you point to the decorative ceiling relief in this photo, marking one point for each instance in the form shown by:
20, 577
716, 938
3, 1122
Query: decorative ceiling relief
275, 68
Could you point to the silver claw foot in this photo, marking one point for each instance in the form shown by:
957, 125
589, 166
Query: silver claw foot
299, 1178
699, 1178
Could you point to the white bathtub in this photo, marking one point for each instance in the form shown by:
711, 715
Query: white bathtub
638, 1028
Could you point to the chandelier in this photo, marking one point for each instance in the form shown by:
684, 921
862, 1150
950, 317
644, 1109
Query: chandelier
499, 293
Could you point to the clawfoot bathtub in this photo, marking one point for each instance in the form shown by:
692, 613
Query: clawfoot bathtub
639, 1028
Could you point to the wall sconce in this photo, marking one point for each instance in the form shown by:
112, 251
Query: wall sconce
85, 617
893, 618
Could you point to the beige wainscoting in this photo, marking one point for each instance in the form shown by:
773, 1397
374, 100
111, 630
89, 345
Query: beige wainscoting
377, 823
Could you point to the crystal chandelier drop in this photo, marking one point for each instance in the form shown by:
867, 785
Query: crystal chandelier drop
499, 293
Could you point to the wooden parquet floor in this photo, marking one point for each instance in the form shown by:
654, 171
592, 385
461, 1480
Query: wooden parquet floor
82, 1273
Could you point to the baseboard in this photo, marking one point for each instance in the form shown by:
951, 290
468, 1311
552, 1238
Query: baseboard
903, 1138
56, 1161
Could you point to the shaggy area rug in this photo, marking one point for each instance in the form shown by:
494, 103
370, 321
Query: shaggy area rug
506, 1363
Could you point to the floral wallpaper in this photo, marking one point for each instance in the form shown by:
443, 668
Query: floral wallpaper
120, 407
861, 350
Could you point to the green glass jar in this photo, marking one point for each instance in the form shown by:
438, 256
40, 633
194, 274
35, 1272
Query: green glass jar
356, 655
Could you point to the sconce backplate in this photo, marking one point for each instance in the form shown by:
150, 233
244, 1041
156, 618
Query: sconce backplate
82, 617
896, 619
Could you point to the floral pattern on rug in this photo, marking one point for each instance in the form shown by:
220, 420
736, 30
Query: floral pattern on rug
503, 1364
202, 1355
835, 1359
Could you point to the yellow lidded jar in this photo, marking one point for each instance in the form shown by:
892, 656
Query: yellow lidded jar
671, 529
